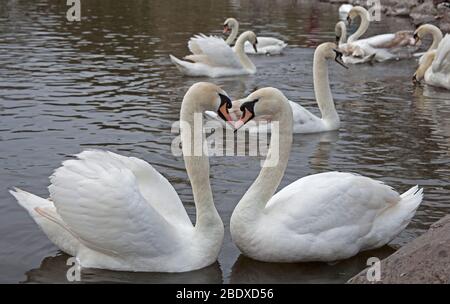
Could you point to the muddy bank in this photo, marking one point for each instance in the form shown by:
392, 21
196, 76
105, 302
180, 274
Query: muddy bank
425, 260
436, 12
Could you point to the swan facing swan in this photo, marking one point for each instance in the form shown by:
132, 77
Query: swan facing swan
266, 45
212, 57
303, 120
118, 213
434, 65
384, 47
321, 217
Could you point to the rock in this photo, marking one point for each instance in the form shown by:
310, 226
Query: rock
444, 16
425, 260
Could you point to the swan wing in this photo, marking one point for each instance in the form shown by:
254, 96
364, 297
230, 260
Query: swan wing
102, 203
442, 62
214, 50
329, 201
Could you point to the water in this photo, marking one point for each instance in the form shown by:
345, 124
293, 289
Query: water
106, 82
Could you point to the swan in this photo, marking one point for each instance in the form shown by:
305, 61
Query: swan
434, 66
385, 47
322, 217
212, 57
118, 213
266, 45
304, 121
341, 40
424, 30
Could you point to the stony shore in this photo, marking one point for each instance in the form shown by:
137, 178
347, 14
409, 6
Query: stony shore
426, 260
436, 12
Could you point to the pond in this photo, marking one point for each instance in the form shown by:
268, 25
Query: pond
107, 82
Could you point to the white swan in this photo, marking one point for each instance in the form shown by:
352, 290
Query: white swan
385, 47
434, 66
341, 40
424, 30
321, 217
212, 57
266, 45
118, 213
305, 121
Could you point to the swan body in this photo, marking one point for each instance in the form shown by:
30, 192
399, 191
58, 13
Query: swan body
116, 212
321, 217
303, 120
384, 47
355, 53
434, 66
266, 45
212, 57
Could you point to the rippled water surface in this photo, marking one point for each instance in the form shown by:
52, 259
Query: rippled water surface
106, 82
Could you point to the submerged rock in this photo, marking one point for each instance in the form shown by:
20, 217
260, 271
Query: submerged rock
425, 260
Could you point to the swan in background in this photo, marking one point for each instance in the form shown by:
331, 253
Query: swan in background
303, 120
434, 66
343, 10
428, 29
321, 217
341, 40
266, 45
212, 57
118, 213
385, 47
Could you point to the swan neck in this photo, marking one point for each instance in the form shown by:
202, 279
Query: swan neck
234, 32
197, 168
240, 52
341, 30
363, 26
322, 90
437, 37
263, 188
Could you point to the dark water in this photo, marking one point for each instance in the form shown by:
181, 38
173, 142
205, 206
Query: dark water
106, 82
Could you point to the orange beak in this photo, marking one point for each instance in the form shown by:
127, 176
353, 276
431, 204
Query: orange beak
246, 116
226, 29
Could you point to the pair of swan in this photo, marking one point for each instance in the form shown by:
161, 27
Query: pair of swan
434, 65
213, 57
119, 213
303, 120
377, 48
266, 45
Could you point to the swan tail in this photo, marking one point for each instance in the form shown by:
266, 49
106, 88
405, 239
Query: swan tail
29, 201
411, 200
44, 214
180, 64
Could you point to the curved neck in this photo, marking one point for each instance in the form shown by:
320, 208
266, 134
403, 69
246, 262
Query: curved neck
425, 64
363, 26
261, 191
243, 58
197, 167
322, 90
341, 32
233, 34
435, 33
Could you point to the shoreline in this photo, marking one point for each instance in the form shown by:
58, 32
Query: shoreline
436, 12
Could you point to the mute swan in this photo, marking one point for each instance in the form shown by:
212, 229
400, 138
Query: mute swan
116, 212
424, 30
304, 121
266, 45
212, 57
341, 40
434, 67
321, 217
385, 47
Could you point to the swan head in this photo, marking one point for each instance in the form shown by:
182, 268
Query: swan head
355, 12
423, 30
251, 37
209, 97
329, 51
267, 102
229, 25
